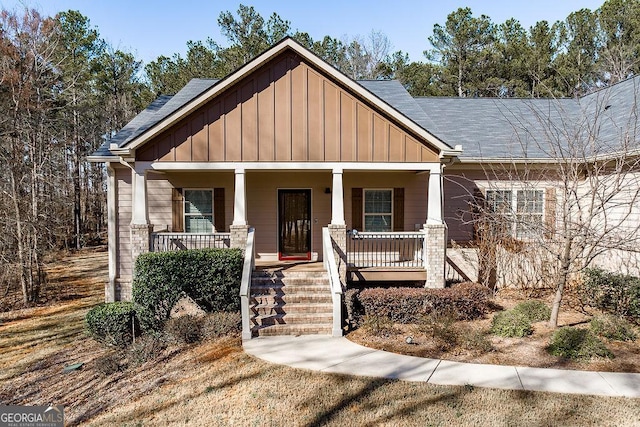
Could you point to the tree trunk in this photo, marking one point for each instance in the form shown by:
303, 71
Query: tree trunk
561, 281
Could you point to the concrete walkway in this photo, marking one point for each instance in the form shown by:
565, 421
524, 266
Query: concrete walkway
341, 356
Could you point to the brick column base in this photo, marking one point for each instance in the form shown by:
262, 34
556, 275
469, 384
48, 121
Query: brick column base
338, 235
239, 236
435, 254
140, 239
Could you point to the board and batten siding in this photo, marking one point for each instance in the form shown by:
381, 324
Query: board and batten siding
286, 111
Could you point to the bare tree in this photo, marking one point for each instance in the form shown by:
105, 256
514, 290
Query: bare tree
570, 192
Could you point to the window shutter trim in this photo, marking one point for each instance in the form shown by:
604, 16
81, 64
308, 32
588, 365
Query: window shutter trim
177, 210
356, 209
218, 210
398, 209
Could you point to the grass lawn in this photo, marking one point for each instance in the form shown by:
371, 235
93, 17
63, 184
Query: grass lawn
216, 383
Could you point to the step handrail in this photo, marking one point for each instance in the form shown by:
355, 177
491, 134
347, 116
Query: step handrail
331, 267
245, 285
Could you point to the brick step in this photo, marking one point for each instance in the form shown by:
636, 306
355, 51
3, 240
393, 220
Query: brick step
275, 289
293, 319
289, 281
301, 298
280, 274
298, 308
300, 329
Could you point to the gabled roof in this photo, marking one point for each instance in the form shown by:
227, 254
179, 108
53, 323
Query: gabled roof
389, 97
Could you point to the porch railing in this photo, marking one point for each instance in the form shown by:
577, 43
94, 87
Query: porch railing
248, 266
165, 242
331, 267
385, 249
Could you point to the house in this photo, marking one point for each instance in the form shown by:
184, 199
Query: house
288, 158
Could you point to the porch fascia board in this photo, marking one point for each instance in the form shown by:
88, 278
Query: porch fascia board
434, 167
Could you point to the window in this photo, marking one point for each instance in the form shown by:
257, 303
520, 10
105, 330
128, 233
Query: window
527, 217
198, 211
378, 210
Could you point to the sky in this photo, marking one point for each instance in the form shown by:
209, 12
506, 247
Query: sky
150, 28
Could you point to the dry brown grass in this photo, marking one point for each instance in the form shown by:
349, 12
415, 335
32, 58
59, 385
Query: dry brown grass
216, 383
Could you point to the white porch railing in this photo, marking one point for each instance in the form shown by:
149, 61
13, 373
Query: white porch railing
402, 249
165, 242
329, 261
245, 284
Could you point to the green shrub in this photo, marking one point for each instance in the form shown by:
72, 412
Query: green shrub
612, 327
534, 310
511, 323
185, 329
220, 324
577, 344
113, 323
211, 277
466, 301
613, 293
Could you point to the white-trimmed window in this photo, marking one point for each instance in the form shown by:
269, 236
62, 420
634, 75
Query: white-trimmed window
378, 210
523, 208
198, 211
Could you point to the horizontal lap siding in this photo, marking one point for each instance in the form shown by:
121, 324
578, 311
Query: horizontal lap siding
159, 199
262, 205
123, 211
287, 111
415, 193
197, 180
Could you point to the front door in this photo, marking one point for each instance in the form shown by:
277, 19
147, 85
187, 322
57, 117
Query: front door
294, 224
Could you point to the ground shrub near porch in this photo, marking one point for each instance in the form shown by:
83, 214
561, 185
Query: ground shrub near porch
113, 324
612, 293
211, 277
466, 301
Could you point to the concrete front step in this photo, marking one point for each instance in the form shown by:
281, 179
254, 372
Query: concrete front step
288, 308
293, 319
288, 329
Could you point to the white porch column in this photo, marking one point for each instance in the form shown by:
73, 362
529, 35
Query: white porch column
435, 229
434, 201
337, 198
240, 199
239, 228
140, 215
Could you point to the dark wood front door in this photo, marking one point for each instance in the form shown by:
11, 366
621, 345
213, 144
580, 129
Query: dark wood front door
294, 224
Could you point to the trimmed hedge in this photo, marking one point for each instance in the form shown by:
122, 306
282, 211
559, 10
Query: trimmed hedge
113, 323
612, 293
466, 301
211, 277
